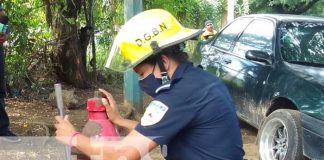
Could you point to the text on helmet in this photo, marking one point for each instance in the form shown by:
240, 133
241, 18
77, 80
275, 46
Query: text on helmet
154, 32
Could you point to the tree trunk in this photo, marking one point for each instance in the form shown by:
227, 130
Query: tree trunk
246, 9
224, 19
68, 58
93, 43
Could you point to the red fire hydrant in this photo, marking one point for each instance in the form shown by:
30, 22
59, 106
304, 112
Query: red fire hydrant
97, 113
99, 127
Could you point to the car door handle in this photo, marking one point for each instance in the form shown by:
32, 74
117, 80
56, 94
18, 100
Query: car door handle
227, 61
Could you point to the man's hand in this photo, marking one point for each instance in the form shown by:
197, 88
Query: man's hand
64, 129
111, 107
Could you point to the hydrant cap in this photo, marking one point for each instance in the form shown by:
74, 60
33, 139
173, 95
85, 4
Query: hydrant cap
95, 105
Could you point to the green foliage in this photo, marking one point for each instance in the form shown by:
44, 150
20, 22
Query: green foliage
290, 4
106, 20
241, 8
108, 16
191, 13
29, 35
31, 39
317, 9
284, 6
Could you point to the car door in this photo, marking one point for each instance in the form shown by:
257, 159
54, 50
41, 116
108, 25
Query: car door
213, 54
249, 78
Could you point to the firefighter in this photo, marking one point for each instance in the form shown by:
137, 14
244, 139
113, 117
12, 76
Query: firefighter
192, 115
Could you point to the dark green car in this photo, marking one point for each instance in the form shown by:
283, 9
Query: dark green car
273, 66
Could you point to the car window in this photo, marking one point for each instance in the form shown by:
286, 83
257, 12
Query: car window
302, 42
257, 36
228, 35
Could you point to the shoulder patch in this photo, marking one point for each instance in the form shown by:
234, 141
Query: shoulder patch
154, 113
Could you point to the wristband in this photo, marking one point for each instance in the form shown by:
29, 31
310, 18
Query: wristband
71, 139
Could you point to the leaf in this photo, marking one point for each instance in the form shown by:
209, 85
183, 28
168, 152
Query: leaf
70, 20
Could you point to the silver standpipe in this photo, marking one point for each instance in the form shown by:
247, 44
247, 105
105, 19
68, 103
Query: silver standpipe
60, 107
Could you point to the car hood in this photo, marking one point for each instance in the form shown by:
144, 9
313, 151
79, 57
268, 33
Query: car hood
314, 75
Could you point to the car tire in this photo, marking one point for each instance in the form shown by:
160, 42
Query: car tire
280, 136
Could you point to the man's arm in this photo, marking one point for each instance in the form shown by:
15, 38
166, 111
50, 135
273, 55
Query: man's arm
3, 37
133, 146
126, 123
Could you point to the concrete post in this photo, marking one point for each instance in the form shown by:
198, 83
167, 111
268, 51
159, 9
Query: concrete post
132, 93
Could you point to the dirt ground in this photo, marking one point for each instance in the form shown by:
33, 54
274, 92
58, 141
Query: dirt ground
32, 115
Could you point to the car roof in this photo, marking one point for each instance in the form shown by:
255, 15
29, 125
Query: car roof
286, 17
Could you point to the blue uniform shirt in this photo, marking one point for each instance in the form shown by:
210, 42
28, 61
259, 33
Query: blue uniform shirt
2, 69
195, 118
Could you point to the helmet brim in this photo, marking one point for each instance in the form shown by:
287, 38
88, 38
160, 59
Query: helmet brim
116, 62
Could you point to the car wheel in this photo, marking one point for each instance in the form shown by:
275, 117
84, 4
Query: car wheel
280, 137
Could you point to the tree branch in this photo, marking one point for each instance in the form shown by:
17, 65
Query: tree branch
298, 9
304, 7
86, 12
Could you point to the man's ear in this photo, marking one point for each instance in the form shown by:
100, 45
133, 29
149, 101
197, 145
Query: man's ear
165, 61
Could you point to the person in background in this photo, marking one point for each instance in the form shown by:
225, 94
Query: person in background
209, 30
5, 133
192, 116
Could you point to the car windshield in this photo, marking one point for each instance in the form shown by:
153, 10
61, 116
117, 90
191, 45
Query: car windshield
302, 42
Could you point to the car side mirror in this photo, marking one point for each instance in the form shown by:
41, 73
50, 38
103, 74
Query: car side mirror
258, 56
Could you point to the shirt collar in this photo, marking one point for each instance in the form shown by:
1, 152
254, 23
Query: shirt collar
178, 74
